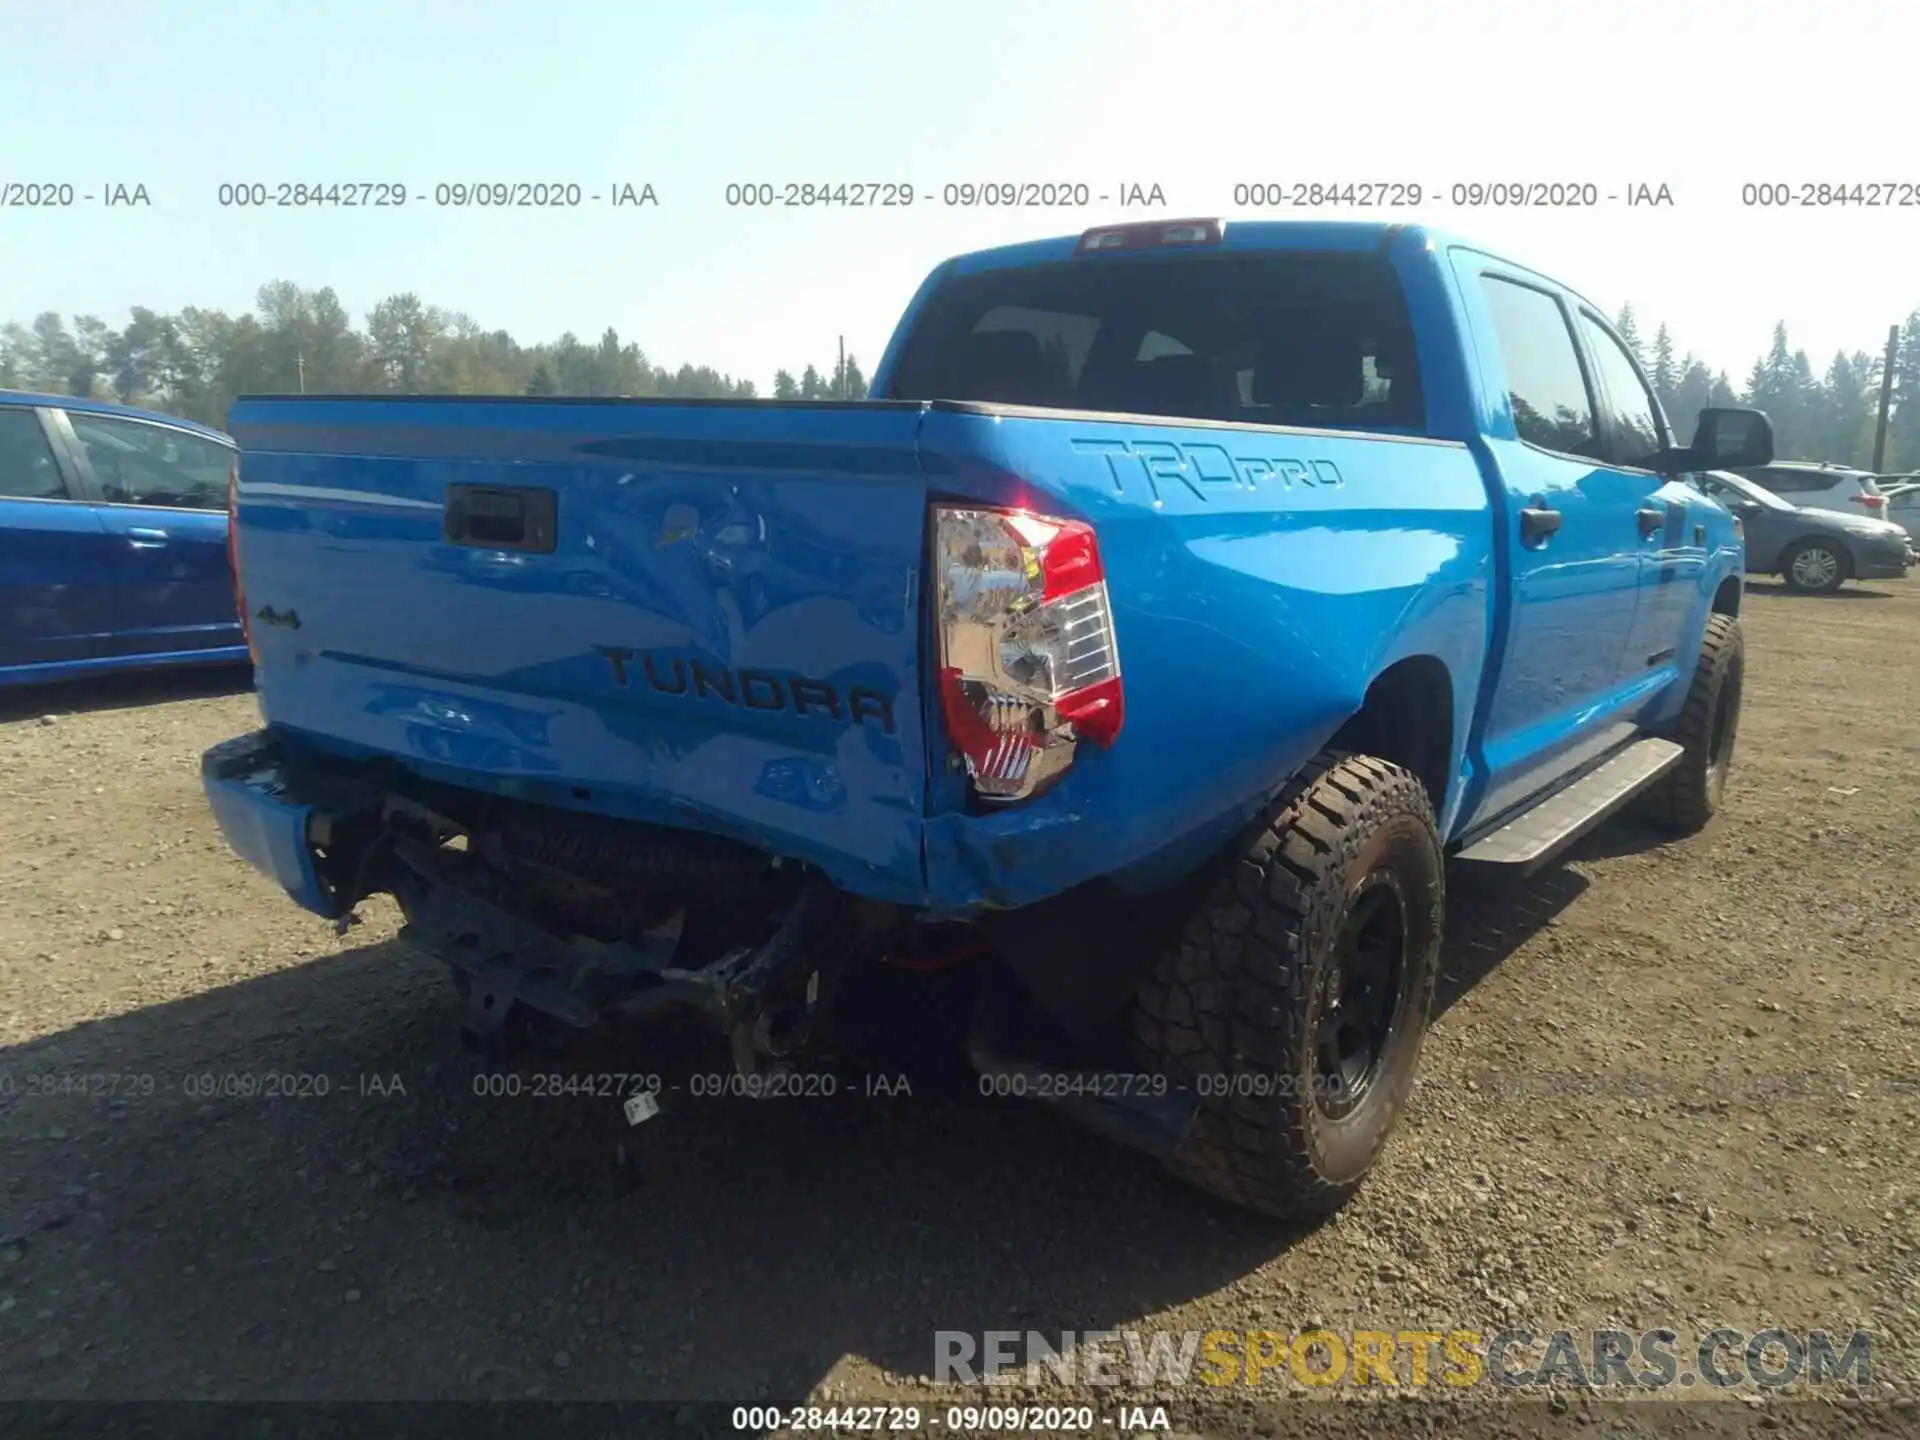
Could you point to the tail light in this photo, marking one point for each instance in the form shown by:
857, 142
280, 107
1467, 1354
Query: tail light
1875, 503
233, 556
1028, 663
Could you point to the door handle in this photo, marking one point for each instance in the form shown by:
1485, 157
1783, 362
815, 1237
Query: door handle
1537, 522
1652, 521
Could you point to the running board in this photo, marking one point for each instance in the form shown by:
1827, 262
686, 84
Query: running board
1537, 834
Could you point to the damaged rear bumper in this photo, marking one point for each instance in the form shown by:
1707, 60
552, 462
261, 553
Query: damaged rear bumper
265, 819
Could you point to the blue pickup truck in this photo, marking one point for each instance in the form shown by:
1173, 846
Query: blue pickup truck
1132, 666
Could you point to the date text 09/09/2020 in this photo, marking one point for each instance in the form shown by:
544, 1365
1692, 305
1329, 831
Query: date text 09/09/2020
1333, 193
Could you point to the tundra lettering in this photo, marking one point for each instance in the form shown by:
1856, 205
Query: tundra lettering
751, 689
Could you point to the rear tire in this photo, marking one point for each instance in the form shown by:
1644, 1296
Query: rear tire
1814, 567
1690, 793
1294, 1004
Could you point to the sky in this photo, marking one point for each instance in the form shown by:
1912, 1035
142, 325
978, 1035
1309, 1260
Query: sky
1194, 97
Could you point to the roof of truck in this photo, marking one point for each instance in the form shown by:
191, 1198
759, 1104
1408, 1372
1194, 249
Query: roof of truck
1325, 235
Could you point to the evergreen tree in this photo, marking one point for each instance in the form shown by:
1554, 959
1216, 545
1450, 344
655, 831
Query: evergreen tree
1903, 428
784, 386
1692, 395
1666, 375
1630, 332
1843, 419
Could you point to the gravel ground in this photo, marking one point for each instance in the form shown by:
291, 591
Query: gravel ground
1671, 1084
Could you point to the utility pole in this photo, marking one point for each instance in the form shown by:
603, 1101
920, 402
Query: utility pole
1886, 400
300, 364
840, 382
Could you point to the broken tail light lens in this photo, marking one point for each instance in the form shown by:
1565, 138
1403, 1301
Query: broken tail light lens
233, 556
1028, 662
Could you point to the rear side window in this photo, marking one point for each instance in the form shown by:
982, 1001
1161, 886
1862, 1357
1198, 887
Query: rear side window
1794, 482
28, 470
1545, 385
1308, 340
135, 463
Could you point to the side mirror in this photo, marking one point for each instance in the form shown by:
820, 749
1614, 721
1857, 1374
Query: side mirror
1732, 439
1747, 507
1725, 439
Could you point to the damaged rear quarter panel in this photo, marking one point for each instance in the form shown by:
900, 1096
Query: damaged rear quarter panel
1260, 579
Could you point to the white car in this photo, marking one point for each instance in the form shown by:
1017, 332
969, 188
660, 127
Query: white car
1822, 487
1903, 507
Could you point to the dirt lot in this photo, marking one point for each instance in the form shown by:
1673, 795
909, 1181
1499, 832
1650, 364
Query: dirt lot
1671, 1084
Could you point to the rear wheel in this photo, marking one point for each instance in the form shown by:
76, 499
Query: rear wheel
1691, 792
1814, 567
1294, 1005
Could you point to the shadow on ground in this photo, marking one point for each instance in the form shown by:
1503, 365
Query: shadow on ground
125, 691
363, 1224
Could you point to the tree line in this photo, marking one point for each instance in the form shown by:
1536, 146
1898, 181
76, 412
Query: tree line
1829, 416
195, 362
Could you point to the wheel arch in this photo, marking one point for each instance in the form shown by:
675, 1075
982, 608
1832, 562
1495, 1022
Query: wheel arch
1407, 718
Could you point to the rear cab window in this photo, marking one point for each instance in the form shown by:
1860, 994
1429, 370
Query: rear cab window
1275, 339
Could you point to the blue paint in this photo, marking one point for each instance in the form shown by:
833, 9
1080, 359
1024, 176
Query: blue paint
90, 585
1261, 579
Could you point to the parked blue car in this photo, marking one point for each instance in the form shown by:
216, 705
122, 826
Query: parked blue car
113, 540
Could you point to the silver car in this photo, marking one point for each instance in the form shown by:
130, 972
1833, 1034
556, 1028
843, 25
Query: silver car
1822, 487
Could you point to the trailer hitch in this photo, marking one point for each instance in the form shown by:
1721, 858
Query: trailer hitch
744, 992
753, 994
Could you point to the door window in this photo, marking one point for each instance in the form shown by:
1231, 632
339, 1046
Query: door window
28, 470
135, 463
1548, 390
1634, 430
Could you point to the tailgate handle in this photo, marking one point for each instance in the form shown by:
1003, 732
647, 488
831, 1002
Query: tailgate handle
493, 517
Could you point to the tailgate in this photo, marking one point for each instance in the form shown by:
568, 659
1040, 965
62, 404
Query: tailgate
693, 614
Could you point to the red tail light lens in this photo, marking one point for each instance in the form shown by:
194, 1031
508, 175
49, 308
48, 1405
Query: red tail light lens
1028, 661
1872, 502
233, 556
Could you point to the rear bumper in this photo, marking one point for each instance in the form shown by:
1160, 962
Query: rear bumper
267, 826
